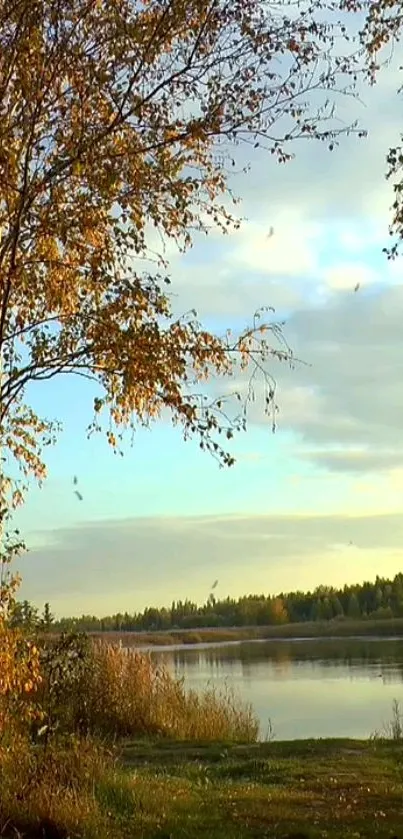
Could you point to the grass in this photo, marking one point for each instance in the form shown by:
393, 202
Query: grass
180, 636
56, 782
160, 789
49, 793
308, 788
310, 629
124, 693
393, 728
196, 772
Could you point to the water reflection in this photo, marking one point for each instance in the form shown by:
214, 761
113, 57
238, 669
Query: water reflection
308, 688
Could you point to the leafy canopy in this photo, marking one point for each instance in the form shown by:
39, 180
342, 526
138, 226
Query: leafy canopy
380, 37
117, 117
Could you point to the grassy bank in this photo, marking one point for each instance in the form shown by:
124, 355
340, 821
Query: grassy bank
333, 789
311, 629
124, 752
57, 774
329, 788
108, 692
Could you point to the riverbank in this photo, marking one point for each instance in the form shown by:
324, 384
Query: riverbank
338, 789
160, 789
114, 747
392, 627
310, 789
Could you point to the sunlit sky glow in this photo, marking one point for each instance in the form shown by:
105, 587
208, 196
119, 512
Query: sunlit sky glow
164, 521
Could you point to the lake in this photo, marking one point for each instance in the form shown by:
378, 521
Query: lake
306, 688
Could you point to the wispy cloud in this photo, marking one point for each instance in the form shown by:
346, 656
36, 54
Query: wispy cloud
127, 564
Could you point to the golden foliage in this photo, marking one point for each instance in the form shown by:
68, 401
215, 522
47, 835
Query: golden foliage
20, 676
123, 692
20, 672
112, 117
279, 610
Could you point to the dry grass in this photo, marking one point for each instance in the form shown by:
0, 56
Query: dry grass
313, 789
125, 694
344, 628
181, 636
393, 728
62, 784
49, 792
219, 783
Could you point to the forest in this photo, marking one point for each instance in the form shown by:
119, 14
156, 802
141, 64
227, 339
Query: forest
380, 599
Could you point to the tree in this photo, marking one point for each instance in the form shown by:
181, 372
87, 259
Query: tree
47, 619
383, 26
337, 608
279, 610
324, 609
353, 608
29, 615
19, 658
117, 118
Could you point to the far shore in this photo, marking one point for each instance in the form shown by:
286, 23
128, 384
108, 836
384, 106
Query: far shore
392, 627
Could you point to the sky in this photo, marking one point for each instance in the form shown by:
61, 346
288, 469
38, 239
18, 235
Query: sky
319, 501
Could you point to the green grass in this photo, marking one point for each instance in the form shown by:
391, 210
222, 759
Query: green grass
218, 782
160, 789
312, 629
323, 788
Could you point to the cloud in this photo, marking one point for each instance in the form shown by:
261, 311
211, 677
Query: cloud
329, 212
111, 565
352, 461
288, 249
347, 275
225, 294
351, 395
346, 183
344, 402
330, 215
326, 208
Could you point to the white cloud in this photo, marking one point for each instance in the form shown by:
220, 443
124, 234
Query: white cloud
285, 246
353, 385
354, 459
347, 275
112, 565
344, 403
219, 285
330, 215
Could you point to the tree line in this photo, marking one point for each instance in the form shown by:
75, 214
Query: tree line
381, 599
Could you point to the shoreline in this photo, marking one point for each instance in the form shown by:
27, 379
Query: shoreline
307, 789
390, 629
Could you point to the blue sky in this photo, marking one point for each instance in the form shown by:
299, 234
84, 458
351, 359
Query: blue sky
164, 521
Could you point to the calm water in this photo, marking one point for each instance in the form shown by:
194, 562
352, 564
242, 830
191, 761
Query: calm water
313, 688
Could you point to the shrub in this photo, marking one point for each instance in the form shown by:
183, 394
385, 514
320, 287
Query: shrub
65, 661
126, 694
20, 678
116, 692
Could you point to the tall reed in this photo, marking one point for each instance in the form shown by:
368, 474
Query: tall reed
123, 693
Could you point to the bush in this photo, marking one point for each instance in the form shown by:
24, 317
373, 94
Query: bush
110, 692
65, 660
20, 679
126, 694
55, 780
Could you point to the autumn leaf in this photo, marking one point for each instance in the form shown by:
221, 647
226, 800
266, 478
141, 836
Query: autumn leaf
112, 117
